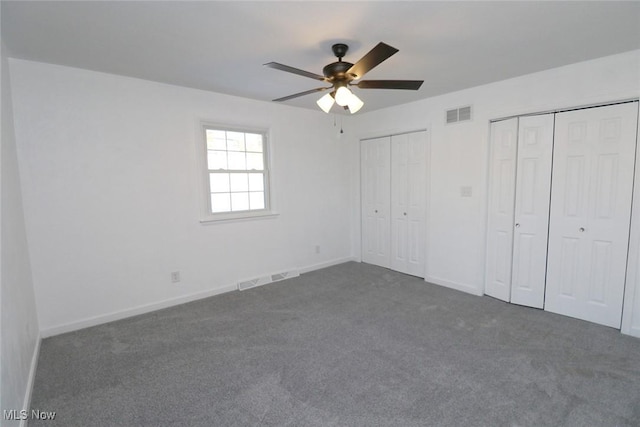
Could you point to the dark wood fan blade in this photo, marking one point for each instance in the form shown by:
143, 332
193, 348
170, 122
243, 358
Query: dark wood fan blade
375, 56
390, 84
297, 71
306, 92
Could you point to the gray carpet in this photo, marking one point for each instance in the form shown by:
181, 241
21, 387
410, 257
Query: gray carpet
350, 345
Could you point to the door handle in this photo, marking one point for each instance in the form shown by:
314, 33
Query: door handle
517, 225
376, 211
581, 229
405, 214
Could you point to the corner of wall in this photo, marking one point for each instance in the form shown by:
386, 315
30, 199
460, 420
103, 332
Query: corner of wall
20, 337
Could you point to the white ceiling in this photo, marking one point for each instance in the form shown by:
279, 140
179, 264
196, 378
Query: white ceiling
221, 46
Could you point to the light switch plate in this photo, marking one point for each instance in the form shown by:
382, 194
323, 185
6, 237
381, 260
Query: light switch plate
466, 191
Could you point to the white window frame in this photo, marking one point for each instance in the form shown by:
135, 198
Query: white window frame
207, 215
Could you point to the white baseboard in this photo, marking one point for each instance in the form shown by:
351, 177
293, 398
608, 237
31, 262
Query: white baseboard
142, 309
326, 264
26, 402
453, 285
110, 317
628, 330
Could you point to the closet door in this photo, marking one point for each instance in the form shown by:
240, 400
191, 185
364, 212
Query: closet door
504, 140
376, 195
533, 190
593, 165
408, 205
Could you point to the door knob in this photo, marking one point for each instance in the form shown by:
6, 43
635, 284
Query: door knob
405, 214
582, 229
376, 211
517, 225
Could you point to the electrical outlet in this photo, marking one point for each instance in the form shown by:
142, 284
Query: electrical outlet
175, 276
317, 249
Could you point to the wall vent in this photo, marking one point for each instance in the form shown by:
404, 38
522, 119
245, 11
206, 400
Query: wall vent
462, 114
259, 281
286, 275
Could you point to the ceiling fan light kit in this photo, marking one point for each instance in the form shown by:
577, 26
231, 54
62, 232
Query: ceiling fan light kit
326, 102
343, 95
340, 75
355, 103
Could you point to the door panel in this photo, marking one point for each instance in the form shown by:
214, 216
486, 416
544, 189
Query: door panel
590, 212
417, 202
399, 201
600, 270
533, 190
504, 140
569, 257
408, 202
376, 193
575, 181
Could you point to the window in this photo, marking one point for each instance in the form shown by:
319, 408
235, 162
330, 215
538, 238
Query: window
237, 173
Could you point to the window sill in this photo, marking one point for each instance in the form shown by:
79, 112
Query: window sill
240, 216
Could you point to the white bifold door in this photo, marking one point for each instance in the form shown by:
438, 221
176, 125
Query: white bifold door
376, 200
504, 141
559, 210
533, 186
520, 182
593, 169
393, 183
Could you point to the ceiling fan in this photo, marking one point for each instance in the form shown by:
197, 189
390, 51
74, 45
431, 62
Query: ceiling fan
341, 75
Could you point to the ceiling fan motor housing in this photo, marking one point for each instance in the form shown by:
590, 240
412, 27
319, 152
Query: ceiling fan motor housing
337, 71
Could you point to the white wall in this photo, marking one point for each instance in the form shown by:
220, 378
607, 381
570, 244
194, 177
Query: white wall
459, 153
19, 324
110, 183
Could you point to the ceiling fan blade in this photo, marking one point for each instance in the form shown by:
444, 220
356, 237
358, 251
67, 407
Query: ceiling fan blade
390, 84
375, 56
306, 92
297, 71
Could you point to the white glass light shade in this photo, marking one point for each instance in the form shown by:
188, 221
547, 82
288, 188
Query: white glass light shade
326, 102
355, 103
343, 95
